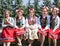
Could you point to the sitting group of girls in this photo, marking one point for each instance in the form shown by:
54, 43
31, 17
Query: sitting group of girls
31, 27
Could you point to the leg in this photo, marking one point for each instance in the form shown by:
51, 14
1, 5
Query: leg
39, 36
43, 39
4, 44
55, 42
19, 41
30, 42
49, 40
8, 43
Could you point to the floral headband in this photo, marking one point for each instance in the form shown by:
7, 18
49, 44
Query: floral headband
31, 10
19, 10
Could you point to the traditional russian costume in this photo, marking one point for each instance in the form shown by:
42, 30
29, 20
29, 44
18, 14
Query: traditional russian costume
45, 24
20, 26
8, 32
31, 23
54, 32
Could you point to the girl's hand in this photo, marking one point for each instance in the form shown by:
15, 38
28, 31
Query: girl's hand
8, 24
31, 28
21, 28
53, 30
43, 29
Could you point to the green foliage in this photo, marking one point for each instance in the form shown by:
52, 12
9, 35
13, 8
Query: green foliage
47, 3
57, 3
8, 4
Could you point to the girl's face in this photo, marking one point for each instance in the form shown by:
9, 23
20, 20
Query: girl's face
57, 10
19, 13
7, 14
54, 12
31, 13
44, 12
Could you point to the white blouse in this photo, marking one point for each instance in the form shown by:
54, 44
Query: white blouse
27, 24
57, 20
11, 20
48, 22
23, 19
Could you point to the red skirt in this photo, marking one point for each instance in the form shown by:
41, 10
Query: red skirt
54, 35
20, 31
45, 33
8, 34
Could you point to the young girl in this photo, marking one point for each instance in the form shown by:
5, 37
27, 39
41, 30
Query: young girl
31, 26
45, 23
20, 25
8, 33
54, 23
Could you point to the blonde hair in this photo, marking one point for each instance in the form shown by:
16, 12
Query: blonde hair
5, 11
45, 7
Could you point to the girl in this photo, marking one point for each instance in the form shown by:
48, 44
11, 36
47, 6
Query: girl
20, 25
8, 32
45, 23
54, 24
31, 26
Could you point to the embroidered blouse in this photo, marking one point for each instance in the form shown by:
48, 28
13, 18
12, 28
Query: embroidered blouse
10, 19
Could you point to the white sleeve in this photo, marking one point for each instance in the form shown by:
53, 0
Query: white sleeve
38, 22
3, 25
39, 26
48, 23
15, 23
59, 19
47, 27
23, 22
27, 25
12, 22
57, 22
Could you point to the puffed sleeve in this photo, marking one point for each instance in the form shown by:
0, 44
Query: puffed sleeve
3, 25
12, 22
48, 22
23, 22
38, 22
57, 23
27, 25
15, 23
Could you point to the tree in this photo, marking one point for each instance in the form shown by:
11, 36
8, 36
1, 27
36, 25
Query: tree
27, 8
47, 3
57, 3
36, 4
0, 9
19, 2
29, 2
37, 7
